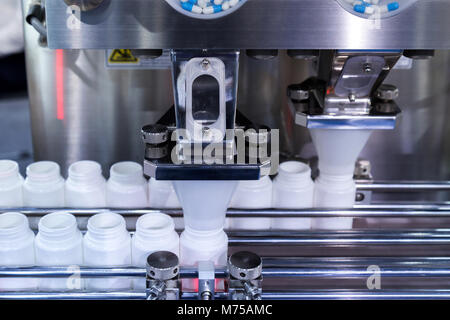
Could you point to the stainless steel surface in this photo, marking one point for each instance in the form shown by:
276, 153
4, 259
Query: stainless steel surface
382, 238
260, 24
404, 186
125, 295
82, 110
287, 295
84, 5
350, 122
359, 295
419, 147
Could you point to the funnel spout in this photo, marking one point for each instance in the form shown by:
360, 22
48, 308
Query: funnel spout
204, 203
338, 150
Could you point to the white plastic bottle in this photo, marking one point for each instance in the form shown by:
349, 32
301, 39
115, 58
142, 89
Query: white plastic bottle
16, 249
43, 186
10, 185
338, 192
198, 246
85, 186
107, 243
59, 244
154, 232
162, 194
335, 188
293, 188
254, 194
126, 186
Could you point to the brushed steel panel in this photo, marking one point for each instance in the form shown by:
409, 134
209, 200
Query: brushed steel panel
280, 24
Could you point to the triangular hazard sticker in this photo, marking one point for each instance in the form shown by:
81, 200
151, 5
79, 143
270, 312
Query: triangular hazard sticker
122, 56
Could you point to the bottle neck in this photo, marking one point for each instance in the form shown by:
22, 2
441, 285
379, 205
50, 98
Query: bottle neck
9, 173
261, 184
85, 173
44, 172
14, 226
107, 226
200, 235
58, 226
295, 173
154, 226
129, 173
336, 182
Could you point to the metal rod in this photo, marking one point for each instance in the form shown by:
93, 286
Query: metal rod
366, 237
353, 272
403, 186
344, 262
126, 295
63, 272
397, 211
287, 295
85, 272
270, 272
359, 295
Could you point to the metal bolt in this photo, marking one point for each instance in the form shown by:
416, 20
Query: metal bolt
387, 92
252, 291
352, 97
205, 64
360, 197
367, 68
155, 134
156, 291
206, 295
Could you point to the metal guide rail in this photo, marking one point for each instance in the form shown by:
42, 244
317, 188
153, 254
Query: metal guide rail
305, 267
291, 272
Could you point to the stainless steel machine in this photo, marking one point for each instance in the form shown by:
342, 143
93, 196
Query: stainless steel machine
101, 70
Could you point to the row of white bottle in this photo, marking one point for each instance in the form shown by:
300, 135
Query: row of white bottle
59, 242
107, 243
85, 187
293, 188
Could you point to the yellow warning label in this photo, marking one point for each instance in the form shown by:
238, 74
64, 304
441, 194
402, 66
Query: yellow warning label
122, 56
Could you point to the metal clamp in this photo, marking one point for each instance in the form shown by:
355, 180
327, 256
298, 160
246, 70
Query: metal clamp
206, 280
162, 274
245, 269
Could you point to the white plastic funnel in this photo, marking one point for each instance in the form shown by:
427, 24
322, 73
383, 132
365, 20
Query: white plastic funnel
339, 149
204, 203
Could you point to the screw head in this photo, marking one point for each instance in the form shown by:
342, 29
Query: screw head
387, 92
155, 134
367, 68
352, 97
205, 64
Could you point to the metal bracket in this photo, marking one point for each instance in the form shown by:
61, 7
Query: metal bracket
245, 272
162, 275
